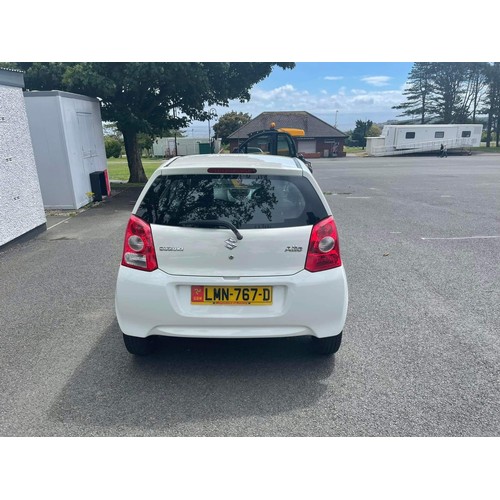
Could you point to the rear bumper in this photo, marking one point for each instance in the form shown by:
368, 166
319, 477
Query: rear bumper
157, 303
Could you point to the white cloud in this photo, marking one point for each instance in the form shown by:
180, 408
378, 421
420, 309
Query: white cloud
365, 100
278, 93
376, 81
334, 78
351, 104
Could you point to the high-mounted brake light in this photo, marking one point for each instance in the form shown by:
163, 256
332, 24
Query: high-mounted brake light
232, 170
323, 252
138, 248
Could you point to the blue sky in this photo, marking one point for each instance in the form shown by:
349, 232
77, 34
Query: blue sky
336, 92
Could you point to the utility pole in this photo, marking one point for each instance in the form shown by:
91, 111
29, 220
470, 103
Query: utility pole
175, 135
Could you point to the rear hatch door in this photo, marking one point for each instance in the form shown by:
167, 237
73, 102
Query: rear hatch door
231, 224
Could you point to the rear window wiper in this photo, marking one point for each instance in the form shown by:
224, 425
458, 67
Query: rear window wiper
212, 223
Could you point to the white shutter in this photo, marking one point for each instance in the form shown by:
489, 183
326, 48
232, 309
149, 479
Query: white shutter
306, 146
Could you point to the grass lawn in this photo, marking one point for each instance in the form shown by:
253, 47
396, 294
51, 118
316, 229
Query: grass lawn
118, 168
484, 149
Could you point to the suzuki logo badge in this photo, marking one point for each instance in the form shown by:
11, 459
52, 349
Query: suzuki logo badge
231, 243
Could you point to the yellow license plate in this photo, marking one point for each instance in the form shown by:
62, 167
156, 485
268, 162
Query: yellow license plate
232, 295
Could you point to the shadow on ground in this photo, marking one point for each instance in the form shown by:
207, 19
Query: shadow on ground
190, 380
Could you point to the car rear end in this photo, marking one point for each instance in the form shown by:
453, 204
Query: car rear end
220, 246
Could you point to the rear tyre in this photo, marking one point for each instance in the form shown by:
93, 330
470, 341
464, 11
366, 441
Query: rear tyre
139, 346
327, 345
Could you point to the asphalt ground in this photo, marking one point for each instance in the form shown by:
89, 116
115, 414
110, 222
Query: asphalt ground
420, 241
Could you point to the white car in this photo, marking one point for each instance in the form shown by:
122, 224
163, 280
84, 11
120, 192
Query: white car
231, 246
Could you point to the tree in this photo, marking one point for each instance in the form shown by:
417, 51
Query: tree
150, 97
229, 123
113, 147
446, 92
492, 104
374, 131
449, 80
475, 91
418, 91
360, 132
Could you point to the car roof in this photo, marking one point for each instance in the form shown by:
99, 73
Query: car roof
259, 161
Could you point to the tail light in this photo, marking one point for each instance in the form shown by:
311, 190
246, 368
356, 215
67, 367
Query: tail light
138, 248
323, 252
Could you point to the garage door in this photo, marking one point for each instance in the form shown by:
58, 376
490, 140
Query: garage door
306, 146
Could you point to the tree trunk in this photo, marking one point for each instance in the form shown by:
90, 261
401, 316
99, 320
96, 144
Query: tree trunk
488, 127
422, 118
498, 131
134, 159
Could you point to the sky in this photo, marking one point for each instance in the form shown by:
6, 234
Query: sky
337, 92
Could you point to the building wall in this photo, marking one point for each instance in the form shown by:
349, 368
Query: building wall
49, 145
21, 205
333, 146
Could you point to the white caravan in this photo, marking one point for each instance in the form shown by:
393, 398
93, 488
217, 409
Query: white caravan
405, 139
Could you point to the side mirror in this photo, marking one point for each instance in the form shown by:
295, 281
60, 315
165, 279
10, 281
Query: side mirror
301, 157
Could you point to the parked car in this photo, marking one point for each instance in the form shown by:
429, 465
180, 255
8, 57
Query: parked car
231, 246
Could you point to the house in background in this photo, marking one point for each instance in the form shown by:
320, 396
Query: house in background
321, 140
21, 206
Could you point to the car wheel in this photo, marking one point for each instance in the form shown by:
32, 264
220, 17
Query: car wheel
139, 346
327, 345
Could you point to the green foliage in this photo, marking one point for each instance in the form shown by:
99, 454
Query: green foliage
143, 96
374, 131
229, 123
145, 141
418, 90
359, 134
150, 97
113, 147
492, 104
445, 92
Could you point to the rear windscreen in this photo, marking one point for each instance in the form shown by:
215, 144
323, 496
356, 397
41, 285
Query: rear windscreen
247, 201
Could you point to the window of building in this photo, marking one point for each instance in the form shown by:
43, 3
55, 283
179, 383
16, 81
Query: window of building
465, 133
438, 135
410, 135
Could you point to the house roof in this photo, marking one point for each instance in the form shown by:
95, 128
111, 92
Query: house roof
312, 126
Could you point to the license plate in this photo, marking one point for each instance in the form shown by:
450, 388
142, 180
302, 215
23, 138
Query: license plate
232, 295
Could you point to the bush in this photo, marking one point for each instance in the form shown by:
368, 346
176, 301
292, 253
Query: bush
113, 147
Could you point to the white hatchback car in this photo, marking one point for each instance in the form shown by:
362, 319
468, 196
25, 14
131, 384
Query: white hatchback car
231, 246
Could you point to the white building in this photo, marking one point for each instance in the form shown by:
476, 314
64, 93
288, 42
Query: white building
21, 205
68, 141
166, 147
405, 139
